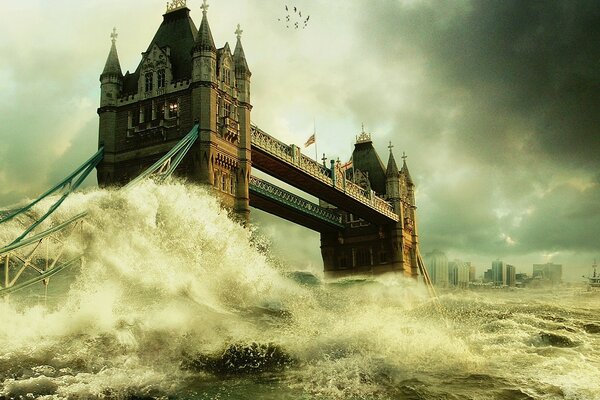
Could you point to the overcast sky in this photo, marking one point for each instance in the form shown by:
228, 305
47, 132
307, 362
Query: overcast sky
496, 104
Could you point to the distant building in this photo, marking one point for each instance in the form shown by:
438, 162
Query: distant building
458, 274
487, 276
437, 265
522, 279
549, 272
472, 272
511, 275
499, 273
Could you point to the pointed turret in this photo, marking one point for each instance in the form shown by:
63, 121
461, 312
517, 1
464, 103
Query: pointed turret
112, 66
392, 181
204, 53
392, 169
111, 79
204, 40
405, 172
241, 66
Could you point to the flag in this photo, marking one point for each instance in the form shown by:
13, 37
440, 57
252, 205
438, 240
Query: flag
311, 140
346, 166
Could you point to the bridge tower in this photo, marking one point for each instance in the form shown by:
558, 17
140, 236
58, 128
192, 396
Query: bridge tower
365, 247
183, 79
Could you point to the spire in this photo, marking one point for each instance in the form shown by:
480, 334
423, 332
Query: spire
205, 41
112, 66
238, 55
392, 168
405, 169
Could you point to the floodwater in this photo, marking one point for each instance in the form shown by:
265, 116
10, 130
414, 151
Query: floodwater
176, 301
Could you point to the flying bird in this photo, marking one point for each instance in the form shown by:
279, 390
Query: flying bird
294, 19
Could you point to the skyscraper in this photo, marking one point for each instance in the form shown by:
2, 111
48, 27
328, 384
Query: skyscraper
459, 273
511, 275
499, 273
437, 265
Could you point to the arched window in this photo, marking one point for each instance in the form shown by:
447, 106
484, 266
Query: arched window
160, 81
149, 79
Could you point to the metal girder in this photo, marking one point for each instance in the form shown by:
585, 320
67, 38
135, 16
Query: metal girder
67, 185
287, 163
325, 217
18, 257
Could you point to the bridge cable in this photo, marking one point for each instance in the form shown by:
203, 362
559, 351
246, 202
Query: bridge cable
82, 172
167, 164
170, 160
429, 283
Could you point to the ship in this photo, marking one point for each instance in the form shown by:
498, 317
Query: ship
594, 279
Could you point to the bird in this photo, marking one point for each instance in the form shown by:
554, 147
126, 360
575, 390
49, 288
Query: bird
295, 19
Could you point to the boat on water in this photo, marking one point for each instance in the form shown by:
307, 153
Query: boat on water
594, 279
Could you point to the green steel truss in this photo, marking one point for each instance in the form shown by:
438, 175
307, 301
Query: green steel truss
283, 197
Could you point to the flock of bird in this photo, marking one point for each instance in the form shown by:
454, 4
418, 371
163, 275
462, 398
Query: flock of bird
294, 19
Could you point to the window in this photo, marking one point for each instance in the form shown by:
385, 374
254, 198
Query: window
227, 76
232, 185
224, 182
161, 78
227, 107
173, 108
149, 79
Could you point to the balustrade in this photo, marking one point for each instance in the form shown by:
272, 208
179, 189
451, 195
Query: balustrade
269, 144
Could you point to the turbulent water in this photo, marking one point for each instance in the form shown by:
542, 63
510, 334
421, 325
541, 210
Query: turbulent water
176, 301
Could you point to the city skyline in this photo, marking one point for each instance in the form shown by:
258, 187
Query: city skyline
496, 117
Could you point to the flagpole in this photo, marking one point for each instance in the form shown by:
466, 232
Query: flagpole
315, 133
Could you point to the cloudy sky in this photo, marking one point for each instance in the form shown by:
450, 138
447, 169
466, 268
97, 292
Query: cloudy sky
496, 104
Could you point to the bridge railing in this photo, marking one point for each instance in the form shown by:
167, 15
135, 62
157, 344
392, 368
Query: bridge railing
268, 189
293, 156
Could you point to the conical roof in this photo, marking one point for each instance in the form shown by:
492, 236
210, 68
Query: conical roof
112, 66
204, 40
238, 55
405, 171
392, 168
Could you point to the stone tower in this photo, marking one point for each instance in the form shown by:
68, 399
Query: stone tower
183, 79
363, 247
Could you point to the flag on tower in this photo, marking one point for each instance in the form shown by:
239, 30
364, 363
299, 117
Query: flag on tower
346, 166
311, 140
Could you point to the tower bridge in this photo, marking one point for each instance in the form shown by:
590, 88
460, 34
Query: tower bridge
186, 110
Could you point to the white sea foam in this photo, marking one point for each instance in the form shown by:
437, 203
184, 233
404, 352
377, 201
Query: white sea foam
170, 281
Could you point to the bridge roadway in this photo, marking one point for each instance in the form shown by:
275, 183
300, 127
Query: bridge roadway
289, 165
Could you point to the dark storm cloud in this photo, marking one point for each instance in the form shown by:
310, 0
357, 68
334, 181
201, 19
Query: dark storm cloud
526, 72
511, 91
